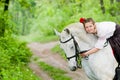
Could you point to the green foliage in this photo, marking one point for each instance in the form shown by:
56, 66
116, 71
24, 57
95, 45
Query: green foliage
45, 39
55, 73
57, 14
14, 58
18, 73
22, 13
114, 11
40, 17
36, 19
14, 50
58, 50
2, 24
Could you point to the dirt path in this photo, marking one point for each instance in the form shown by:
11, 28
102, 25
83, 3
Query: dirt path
43, 52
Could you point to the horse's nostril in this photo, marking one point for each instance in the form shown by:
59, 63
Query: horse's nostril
73, 68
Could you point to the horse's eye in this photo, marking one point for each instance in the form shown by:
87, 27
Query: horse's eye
71, 47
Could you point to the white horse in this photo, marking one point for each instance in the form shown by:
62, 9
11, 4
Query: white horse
100, 65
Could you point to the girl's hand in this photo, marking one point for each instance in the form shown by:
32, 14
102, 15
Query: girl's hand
83, 55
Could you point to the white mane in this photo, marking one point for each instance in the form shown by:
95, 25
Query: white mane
77, 30
101, 65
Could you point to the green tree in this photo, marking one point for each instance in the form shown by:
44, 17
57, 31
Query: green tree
2, 18
102, 6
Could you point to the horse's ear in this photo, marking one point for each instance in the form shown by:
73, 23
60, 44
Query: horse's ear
56, 32
67, 30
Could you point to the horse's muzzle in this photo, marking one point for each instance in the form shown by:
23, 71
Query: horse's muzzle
73, 68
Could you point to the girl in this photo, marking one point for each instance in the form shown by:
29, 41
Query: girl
105, 31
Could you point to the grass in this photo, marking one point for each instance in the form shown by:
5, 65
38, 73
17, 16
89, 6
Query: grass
58, 50
19, 73
54, 73
46, 39
42, 39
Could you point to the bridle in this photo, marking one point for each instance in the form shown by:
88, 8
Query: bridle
77, 51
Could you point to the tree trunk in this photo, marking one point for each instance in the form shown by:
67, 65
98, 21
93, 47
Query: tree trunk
6, 5
23, 22
117, 0
111, 1
3, 23
102, 6
2, 20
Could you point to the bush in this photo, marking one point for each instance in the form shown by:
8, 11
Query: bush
14, 58
13, 51
18, 73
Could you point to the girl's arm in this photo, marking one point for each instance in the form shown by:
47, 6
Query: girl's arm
90, 52
99, 45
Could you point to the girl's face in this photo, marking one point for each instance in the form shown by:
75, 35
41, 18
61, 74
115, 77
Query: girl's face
90, 28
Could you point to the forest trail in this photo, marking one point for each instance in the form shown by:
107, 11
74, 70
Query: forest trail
43, 52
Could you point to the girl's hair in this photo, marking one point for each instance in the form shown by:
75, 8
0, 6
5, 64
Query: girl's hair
87, 20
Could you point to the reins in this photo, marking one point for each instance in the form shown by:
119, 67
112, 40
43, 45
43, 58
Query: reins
77, 51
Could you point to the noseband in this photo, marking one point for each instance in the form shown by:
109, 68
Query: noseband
77, 50
76, 47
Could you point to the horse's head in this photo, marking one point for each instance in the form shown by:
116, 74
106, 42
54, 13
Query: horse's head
73, 40
67, 43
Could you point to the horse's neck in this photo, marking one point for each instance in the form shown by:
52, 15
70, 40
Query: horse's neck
78, 31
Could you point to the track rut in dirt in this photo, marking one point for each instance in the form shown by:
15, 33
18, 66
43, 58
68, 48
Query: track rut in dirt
43, 52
